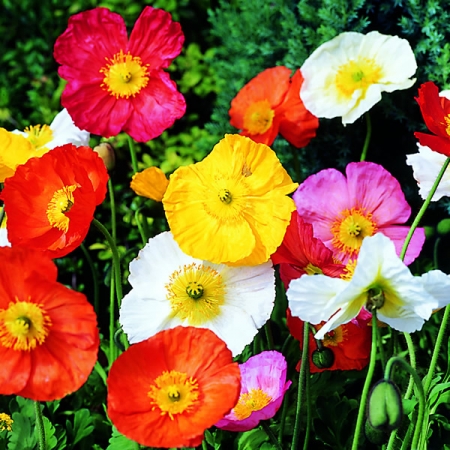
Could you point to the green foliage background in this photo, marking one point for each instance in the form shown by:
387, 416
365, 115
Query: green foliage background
227, 44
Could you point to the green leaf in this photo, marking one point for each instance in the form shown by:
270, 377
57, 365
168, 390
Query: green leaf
119, 442
82, 425
251, 440
23, 437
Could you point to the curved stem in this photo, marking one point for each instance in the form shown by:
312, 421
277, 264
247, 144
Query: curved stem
39, 425
112, 203
140, 226
419, 391
134, 164
302, 374
116, 259
112, 321
412, 360
436, 350
368, 136
365, 392
423, 208
94, 273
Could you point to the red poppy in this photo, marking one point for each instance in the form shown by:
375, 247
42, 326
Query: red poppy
345, 348
436, 113
270, 104
50, 201
116, 83
166, 391
301, 253
48, 333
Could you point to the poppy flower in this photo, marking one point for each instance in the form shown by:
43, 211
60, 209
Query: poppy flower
345, 76
380, 280
347, 347
426, 166
263, 385
48, 333
166, 391
150, 183
17, 147
60, 190
435, 109
171, 288
269, 104
344, 210
232, 207
301, 253
118, 84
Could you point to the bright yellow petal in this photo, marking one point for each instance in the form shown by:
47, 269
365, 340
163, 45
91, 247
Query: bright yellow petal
150, 183
232, 206
15, 150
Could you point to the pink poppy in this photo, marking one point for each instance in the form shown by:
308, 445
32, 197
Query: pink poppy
263, 385
343, 211
118, 84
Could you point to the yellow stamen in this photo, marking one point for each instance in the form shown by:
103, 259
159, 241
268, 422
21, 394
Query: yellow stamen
225, 196
349, 270
174, 393
125, 75
351, 228
23, 326
60, 204
357, 74
447, 124
39, 135
254, 400
335, 337
5, 422
196, 293
310, 269
258, 117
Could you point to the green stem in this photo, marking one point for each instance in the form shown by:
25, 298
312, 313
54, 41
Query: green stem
423, 208
112, 203
365, 392
412, 362
116, 259
368, 136
40, 425
436, 350
269, 433
284, 409
269, 335
302, 374
94, 273
435, 252
134, 164
204, 445
140, 226
112, 321
419, 392
308, 411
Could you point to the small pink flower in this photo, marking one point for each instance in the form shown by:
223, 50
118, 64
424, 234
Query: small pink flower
263, 384
343, 211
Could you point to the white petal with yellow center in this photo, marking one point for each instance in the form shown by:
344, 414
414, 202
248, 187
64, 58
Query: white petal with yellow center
172, 289
345, 76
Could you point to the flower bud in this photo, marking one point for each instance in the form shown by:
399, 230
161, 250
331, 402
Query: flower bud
323, 358
384, 406
106, 151
443, 227
375, 436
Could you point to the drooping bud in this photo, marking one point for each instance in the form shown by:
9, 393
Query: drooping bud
384, 406
375, 436
443, 227
323, 358
106, 151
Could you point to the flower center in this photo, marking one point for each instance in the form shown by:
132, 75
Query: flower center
335, 337
23, 326
447, 124
355, 75
196, 293
60, 204
258, 117
38, 135
125, 75
311, 269
225, 196
254, 400
351, 228
375, 298
174, 393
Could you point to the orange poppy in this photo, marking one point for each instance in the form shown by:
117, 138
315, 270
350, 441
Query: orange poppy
48, 333
166, 391
50, 201
270, 104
